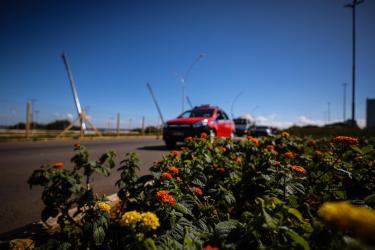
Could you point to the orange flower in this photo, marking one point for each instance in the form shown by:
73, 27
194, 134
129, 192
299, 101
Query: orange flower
175, 153
318, 152
178, 178
285, 134
167, 176
215, 166
238, 160
346, 140
270, 147
209, 247
311, 142
58, 165
197, 191
276, 163
298, 169
290, 155
223, 149
165, 197
173, 170
253, 140
188, 139
203, 135
184, 148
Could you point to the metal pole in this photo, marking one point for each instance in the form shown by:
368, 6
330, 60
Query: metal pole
28, 118
329, 113
234, 100
189, 102
353, 6
156, 103
74, 90
143, 125
184, 78
118, 124
344, 101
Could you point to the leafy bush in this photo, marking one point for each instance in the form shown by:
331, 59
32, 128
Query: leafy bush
249, 194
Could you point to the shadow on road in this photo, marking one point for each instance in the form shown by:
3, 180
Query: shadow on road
158, 147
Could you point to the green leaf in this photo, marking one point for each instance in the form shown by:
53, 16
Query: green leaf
102, 170
297, 238
296, 214
64, 246
370, 199
270, 222
98, 235
181, 208
149, 244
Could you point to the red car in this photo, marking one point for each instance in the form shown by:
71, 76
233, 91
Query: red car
203, 119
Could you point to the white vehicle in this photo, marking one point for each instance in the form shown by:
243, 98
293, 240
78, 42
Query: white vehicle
243, 124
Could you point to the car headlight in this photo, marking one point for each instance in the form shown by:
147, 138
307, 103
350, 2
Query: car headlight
200, 123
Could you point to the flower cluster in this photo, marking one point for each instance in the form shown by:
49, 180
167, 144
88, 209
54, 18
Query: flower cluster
104, 207
58, 165
285, 134
198, 191
290, 155
346, 140
131, 218
166, 175
253, 140
150, 220
298, 169
165, 197
360, 220
173, 170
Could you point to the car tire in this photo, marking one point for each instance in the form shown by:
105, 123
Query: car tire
170, 143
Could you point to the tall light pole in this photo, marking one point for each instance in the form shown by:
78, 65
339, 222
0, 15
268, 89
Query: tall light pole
344, 85
183, 78
353, 6
234, 100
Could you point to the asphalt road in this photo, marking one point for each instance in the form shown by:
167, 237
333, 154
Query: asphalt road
21, 206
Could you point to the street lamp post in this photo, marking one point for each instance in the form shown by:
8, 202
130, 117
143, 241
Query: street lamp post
234, 100
353, 6
183, 78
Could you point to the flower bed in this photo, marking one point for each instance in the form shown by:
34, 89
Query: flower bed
271, 193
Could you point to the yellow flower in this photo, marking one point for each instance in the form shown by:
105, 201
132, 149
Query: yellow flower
150, 220
359, 220
104, 207
130, 218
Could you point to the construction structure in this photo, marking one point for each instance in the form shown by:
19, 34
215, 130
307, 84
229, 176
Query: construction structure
81, 117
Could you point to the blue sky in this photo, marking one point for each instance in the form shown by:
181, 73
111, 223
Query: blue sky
289, 58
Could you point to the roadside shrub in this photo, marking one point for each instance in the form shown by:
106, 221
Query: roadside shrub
269, 193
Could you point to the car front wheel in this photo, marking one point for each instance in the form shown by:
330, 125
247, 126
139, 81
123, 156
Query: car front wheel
170, 143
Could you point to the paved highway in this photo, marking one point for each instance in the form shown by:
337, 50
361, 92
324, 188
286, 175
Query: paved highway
20, 205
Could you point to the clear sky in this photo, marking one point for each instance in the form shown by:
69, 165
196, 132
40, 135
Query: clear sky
289, 58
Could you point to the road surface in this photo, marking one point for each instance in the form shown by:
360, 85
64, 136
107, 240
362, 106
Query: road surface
21, 206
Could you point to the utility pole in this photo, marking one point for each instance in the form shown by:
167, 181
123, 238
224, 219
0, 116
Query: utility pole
118, 124
344, 101
189, 102
353, 6
28, 119
329, 113
156, 103
234, 100
183, 78
143, 125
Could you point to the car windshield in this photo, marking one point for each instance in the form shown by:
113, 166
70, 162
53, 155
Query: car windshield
197, 113
239, 121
